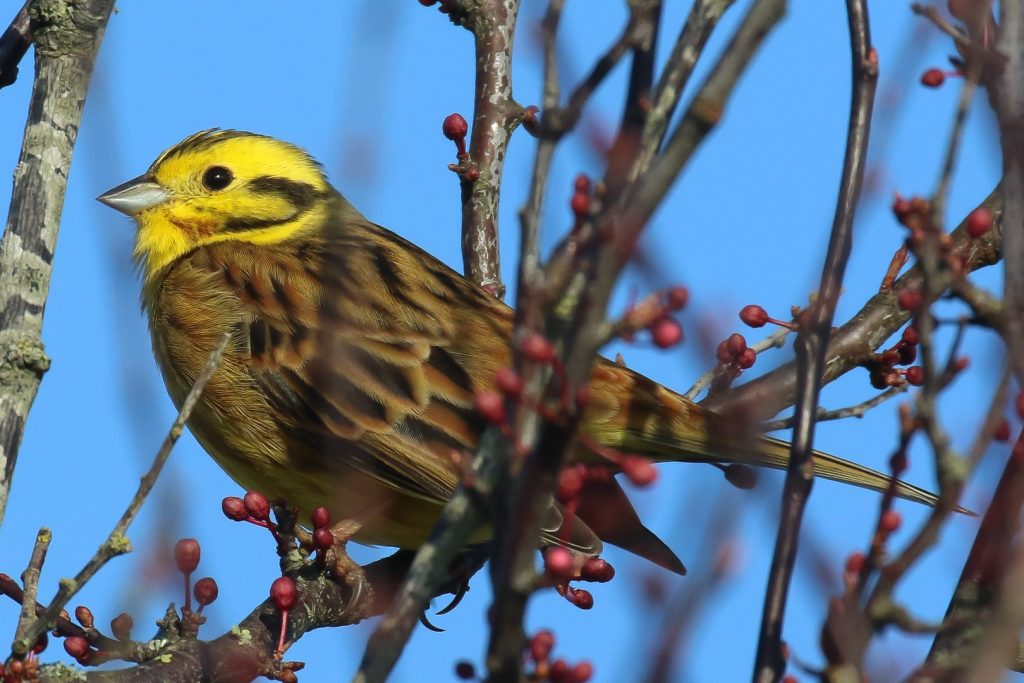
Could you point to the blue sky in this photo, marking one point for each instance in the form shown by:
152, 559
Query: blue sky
364, 87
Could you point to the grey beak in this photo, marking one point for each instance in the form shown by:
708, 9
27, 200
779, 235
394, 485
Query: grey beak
138, 194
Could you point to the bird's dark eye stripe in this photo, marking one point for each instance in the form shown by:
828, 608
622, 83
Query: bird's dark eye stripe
301, 195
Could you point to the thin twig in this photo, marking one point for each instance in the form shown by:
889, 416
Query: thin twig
688, 48
117, 542
811, 344
704, 112
495, 116
30, 580
857, 410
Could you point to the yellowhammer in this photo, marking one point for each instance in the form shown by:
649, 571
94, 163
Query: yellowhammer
355, 356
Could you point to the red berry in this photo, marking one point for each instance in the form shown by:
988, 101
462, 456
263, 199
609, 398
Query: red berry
666, 332
206, 591
753, 316
560, 672
121, 626
677, 297
910, 335
580, 597
639, 470
538, 349
76, 646
597, 570
321, 517
909, 299
465, 670
890, 521
582, 672
234, 508
323, 539
454, 127
427, 3
933, 78
558, 563
580, 205
722, 354
257, 506
915, 375
979, 221
509, 382
737, 344
491, 406
582, 184
901, 207
1002, 432
854, 563
283, 593
541, 645
84, 616
186, 555
907, 353
747, 358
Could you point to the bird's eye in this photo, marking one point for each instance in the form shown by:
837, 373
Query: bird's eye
217, 178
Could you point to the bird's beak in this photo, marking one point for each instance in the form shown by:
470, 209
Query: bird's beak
138, 194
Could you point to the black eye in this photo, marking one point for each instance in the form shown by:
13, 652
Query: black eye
217, 178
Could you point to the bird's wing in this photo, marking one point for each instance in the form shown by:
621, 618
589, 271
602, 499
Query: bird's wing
366, 346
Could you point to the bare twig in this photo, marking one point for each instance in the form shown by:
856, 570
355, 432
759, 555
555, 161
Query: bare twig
495, 116
117, 542
67, 37
30, 580
857, 410
689, 46
704, 112
811, 344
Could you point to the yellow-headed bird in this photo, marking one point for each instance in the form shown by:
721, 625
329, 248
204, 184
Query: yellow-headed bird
355, 356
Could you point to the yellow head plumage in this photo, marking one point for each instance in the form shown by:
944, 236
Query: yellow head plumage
220, 185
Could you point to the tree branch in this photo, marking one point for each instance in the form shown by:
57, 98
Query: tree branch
811, 344
67, 36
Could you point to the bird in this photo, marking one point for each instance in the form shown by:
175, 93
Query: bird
354, 357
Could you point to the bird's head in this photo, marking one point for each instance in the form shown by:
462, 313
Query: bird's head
220, 185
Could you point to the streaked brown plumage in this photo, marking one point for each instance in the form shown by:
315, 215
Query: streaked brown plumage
355, 356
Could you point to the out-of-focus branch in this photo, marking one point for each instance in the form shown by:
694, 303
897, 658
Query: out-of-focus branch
979, 590
812, 342
1006, 92
493, 24
14, 43
688, 48
704, 112
67, 35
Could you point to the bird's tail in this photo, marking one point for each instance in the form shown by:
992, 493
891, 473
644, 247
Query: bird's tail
640, 416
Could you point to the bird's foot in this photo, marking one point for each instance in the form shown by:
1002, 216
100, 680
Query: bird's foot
350, 572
